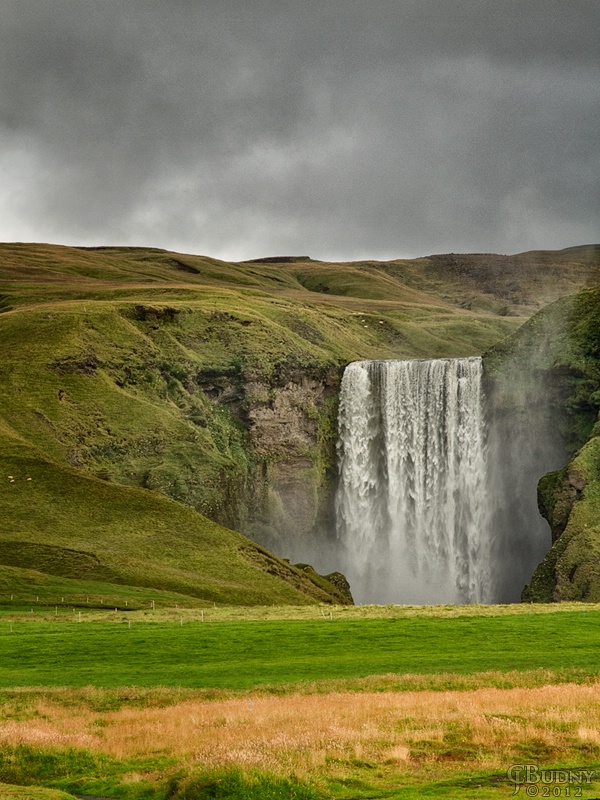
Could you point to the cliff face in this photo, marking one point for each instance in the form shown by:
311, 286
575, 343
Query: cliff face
287, 423
545, 385
213, 384
570, 498
292, 433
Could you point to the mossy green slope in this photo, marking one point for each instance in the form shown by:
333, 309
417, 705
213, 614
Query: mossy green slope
570, 500
61, 522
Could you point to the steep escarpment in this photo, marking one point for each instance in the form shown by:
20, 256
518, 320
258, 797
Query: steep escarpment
546, 390
570, 498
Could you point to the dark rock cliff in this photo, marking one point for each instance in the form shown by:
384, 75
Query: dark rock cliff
545, 385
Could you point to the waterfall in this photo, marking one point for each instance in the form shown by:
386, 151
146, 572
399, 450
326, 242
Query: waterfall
413, 510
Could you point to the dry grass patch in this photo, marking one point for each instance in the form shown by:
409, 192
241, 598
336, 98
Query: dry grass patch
332, 734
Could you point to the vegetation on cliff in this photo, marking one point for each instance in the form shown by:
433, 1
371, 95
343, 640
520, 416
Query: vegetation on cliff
562, 345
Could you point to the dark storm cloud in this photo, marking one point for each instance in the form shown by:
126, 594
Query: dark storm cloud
339, 129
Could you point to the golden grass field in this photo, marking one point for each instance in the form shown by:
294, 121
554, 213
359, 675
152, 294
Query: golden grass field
394, 736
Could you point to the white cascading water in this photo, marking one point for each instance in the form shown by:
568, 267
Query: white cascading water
413, 510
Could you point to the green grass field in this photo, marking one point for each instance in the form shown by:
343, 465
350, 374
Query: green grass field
244, 655
152, 668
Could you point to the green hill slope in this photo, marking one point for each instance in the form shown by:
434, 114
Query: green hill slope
60, 522
143, 391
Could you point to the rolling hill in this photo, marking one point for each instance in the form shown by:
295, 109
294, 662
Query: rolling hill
151, 402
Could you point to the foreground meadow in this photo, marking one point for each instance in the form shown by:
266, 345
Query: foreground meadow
382, 702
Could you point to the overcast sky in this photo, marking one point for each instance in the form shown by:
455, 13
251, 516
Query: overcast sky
339, 129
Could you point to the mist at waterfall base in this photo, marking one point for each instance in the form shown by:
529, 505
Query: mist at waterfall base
436, 499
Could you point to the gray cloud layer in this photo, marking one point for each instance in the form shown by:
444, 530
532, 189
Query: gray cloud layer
338, 128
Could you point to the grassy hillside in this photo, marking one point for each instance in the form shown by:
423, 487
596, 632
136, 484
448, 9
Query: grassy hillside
143, 391
60, 522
